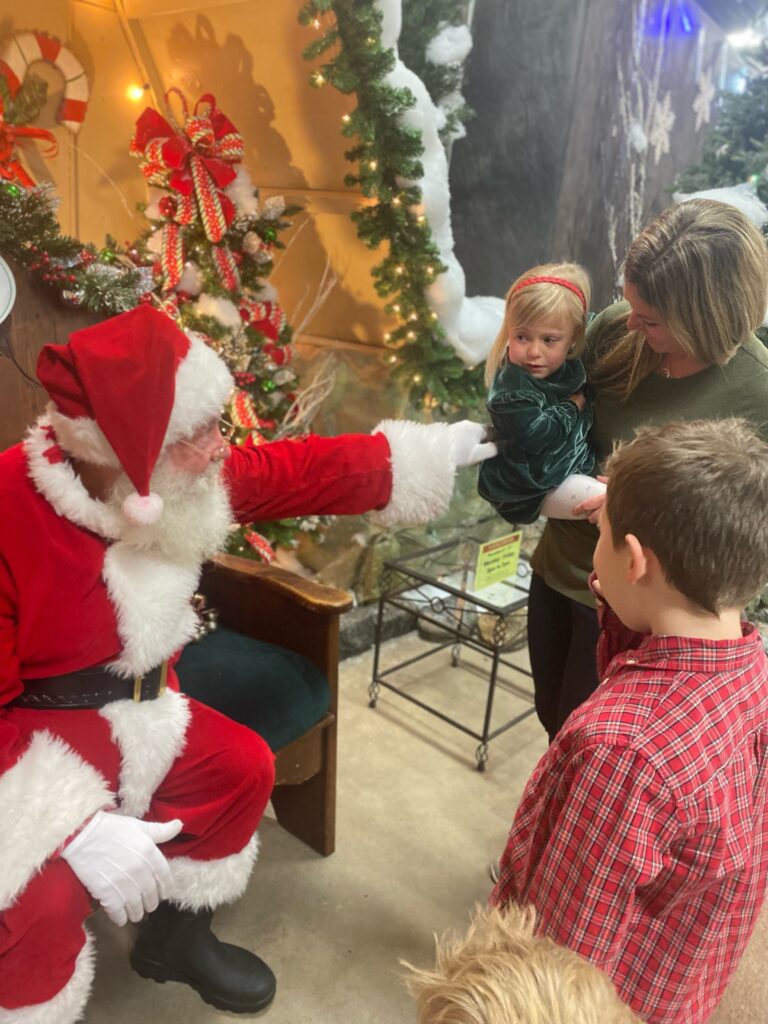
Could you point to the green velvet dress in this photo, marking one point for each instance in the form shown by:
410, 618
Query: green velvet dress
542, 438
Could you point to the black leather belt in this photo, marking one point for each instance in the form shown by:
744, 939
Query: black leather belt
89, 688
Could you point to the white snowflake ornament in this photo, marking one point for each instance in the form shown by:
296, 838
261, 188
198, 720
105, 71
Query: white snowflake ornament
702, 104
661, 127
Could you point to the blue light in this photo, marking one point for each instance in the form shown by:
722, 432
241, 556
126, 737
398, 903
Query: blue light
679, 20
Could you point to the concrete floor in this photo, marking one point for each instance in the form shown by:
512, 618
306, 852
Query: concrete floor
417, 827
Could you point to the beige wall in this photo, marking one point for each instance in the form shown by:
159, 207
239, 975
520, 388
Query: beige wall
249, 55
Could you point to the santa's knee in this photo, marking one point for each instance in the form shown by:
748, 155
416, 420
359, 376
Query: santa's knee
252, 766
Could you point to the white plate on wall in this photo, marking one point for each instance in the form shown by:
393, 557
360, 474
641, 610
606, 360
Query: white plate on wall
7, 290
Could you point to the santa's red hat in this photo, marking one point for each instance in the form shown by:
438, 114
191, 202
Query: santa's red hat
124, 389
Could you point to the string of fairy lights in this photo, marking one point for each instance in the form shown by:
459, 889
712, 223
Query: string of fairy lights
387, 154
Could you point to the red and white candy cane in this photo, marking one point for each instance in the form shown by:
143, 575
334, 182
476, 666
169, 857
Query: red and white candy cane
24, 48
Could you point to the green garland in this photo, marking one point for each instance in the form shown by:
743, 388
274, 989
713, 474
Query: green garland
386, 152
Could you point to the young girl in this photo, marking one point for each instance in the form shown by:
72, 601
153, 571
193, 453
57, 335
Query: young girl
540, 414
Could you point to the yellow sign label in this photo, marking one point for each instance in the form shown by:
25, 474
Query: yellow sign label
497, 559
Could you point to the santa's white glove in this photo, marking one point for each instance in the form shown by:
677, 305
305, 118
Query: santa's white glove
117, 860
469, 448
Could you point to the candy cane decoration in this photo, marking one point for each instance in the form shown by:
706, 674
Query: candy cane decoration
24, 48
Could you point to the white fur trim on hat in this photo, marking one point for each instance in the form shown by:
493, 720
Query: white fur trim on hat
45, 796
207, 884
203, 385
423, 471
67, 1006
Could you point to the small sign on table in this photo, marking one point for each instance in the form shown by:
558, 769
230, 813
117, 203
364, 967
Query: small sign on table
497, 559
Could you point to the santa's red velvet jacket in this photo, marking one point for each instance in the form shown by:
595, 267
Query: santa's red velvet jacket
72, 595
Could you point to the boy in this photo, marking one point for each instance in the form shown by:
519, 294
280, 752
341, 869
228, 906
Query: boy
642, 836
500, 973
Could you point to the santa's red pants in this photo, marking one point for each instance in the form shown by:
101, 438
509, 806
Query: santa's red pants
219, 787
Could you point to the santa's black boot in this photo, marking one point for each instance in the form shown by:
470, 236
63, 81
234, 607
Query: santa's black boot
178, 945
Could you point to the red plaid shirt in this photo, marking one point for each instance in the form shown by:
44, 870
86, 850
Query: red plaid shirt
642, 835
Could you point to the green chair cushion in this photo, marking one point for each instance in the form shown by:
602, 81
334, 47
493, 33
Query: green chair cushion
277, 693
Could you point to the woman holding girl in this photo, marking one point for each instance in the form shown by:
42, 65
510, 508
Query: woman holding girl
681, 346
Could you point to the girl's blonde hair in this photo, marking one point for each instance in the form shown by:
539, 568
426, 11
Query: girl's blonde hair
537, 301
501, 973
703, 266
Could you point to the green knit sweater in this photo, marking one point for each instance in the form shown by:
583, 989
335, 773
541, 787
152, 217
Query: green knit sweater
563, 557
542, 438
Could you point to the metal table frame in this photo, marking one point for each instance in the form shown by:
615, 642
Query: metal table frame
399, 578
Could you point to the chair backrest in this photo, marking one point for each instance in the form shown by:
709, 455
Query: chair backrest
38, 317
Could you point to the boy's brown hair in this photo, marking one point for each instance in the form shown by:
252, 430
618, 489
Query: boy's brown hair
501, 973
696, 494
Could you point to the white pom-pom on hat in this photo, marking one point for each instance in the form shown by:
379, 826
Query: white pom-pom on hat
143, 510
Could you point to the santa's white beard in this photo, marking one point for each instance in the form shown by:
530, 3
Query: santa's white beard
196, 514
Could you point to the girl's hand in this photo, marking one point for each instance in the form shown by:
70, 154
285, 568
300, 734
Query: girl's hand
590, 507
578, 400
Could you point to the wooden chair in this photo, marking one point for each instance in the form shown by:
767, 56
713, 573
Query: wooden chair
262, 602
279, 607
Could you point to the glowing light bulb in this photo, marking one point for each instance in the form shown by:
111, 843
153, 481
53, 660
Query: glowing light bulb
421, 218
319, 78
416, 378
373, 164
392, 360
399, 269
135, 92
396, 307
316, 23
433, 316
387, 336
396, 201
414, 316
411, 335
346, 118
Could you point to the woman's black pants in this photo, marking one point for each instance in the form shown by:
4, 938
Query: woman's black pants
562, 640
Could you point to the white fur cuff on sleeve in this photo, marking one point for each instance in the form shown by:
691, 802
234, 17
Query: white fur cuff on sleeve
423, 471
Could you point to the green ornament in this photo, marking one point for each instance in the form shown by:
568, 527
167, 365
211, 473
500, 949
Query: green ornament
269, 234
107, 255
267, 386
13, 190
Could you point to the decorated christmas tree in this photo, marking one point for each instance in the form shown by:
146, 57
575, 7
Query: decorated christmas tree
210, 248
736, 147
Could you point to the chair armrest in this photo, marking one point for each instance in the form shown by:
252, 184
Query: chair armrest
278, 607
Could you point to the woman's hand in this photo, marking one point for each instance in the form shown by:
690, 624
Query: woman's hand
590, 507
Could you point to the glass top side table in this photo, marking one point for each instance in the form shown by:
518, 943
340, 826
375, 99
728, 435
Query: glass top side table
437, 586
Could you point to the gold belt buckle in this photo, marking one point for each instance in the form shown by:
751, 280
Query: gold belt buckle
138, 680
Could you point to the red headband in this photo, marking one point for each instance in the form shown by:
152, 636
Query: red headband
554, 280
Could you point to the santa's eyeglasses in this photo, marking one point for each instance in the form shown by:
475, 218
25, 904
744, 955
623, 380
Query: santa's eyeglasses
215, 452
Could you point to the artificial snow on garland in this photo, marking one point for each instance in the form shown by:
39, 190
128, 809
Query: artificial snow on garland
470, 324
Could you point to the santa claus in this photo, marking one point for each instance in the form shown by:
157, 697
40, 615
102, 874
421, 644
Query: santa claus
115, 788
